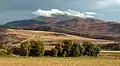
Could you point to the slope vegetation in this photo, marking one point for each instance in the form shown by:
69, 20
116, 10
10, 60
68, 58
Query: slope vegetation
50, 39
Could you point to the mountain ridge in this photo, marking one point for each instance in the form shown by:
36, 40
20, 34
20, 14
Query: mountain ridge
76, 26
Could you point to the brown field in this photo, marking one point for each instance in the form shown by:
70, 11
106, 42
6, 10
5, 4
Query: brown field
106, 58
51, 61
110, 54
51, 38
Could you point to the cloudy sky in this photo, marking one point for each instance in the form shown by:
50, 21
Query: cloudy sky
11, 10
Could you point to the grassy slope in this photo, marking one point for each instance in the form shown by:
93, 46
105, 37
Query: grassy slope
50, 38
43, 35
51, 61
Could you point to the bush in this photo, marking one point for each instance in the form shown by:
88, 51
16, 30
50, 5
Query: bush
96, 51
65, 49
32, 48
37, 48
9, 50
59, 47
70, 49
75, 50
90, 49
55, 52
64, 53
81, 50
48, 53
67, 46
26, 47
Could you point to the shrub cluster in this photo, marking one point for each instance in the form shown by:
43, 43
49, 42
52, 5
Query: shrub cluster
70, 49
32, 48
65, 49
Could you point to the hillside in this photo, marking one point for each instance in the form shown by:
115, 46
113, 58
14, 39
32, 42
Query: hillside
50, 39
93, 27
85, 27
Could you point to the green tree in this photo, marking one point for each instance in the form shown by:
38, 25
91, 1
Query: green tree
96, 51
81, 49
37, 48
26, 47
32, 48
67, 46
59, 48
75, 51
89, 48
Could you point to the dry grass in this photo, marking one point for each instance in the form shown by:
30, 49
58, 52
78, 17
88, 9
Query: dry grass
51, 38
47, 61
110, 54
44, 35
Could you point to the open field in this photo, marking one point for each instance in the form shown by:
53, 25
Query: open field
51, 38
61, 61
52, 61
110, 54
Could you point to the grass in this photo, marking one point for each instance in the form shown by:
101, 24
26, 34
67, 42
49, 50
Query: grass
59, 61
43, 35
7, 60
52, 61
50, 38
110, 54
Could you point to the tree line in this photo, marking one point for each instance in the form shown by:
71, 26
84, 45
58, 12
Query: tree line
65, 49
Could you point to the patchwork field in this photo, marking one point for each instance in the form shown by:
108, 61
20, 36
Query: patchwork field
51, 38
107, 58
51, 61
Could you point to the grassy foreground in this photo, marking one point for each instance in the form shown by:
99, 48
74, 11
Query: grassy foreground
52, 61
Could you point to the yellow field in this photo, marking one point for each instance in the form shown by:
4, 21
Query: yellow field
50, 61
43, 35
50, 38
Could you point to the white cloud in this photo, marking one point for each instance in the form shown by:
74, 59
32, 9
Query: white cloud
69, 12
108, 3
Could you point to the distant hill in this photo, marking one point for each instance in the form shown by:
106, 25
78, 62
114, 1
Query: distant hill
86, 27
15, 24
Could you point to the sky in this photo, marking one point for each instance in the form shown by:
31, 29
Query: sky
11, 10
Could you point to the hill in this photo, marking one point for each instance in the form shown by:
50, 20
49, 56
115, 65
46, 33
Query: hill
85, 27
50, 39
